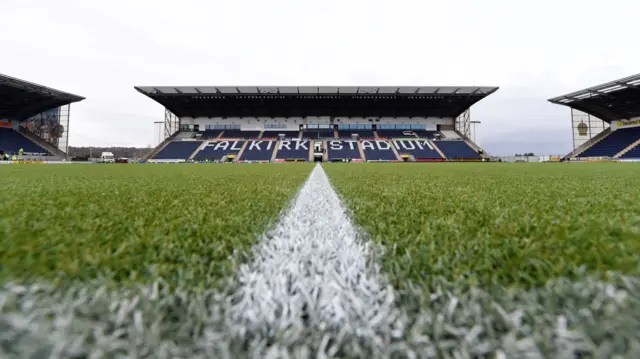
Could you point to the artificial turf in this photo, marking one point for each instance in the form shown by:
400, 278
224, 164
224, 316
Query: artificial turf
135, 223
497, 224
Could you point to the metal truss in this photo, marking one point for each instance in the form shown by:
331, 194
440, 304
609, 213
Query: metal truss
171, 123
463, 123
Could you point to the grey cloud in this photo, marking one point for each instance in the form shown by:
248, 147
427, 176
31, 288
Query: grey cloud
532, 50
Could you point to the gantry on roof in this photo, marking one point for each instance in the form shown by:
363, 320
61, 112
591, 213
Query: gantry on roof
290, 101
615, 100
21, 99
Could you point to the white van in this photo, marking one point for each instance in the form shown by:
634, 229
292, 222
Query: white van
107, 157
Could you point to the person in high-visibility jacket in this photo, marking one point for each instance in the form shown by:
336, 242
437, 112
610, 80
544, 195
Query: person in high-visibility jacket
20, 152
14, 158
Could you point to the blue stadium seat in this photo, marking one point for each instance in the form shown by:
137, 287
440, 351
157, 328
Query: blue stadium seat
393, 134
418, 149
178, 150
215, 150
378, 151
11, 141
293, 150
612, 144
361, 133
276, 134
456, 149
240, 134
343, 150
258, 151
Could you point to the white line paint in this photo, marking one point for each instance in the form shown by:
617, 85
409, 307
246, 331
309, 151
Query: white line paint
313, 272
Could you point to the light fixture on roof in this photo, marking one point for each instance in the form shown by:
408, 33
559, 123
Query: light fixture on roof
612, 88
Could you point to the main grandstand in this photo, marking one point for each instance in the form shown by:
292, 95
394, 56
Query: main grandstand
334, 124
605, 120
34, 119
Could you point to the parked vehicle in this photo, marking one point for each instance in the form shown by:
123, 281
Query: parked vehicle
107, 157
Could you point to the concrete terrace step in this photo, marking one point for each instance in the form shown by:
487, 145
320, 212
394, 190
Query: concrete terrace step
627, 149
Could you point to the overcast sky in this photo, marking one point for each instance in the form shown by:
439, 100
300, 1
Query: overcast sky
533, 50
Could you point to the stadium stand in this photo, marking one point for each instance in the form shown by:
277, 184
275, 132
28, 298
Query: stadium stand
454, 149
378, 151
420, 150
362, 134
258, 151
343, 150
12, 141
293, 150
217, 150
612, 144
241, 134
323, 113
178, 150
614, 107
33, 117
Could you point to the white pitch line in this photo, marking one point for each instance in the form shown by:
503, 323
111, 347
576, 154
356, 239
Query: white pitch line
313, 272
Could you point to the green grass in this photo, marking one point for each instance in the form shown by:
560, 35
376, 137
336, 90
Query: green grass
480, 254
497, 225
132, 223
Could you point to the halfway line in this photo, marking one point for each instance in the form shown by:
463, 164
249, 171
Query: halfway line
312, 272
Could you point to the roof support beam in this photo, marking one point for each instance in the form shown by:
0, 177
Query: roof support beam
628, 85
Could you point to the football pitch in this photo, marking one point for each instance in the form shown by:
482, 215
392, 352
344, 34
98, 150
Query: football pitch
338, 260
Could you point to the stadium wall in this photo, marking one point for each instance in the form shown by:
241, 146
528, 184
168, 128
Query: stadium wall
293, 123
